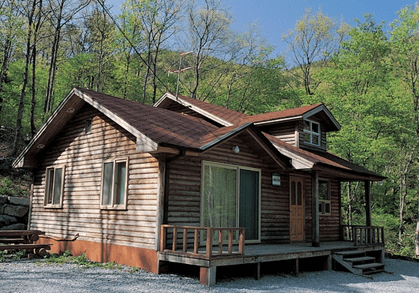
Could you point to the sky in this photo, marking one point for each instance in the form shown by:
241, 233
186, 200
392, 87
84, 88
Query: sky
277, 17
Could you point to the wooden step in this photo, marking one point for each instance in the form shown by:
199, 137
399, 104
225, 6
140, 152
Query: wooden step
370, 268
347, 253
358, 262
360, 259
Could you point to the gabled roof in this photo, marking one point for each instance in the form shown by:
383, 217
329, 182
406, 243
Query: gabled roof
227, 117
276, 116
155, 128
218, 114
152, 127
323, 161
303, 112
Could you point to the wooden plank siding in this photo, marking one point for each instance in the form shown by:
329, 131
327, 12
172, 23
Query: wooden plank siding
83, 156
284, 131
185, 189
329, 224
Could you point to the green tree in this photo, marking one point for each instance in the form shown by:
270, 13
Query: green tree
314, 38
405, 45
359, 88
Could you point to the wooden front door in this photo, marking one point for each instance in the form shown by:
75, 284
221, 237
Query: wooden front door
296, 209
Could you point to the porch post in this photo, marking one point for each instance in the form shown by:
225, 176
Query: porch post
315, 232
368, 203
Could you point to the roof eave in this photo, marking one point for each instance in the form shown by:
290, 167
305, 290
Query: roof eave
193, 108
347, 174
274, 121
19, 162
335, 126
143, 143
224, 136
260, 138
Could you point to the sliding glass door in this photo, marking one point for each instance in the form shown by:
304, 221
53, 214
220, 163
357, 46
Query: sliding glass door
230, 198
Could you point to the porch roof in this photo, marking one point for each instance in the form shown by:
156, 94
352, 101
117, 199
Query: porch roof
326, 163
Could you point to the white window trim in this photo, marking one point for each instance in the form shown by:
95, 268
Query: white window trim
311, 132
52, 205
236, 167
114, 206
323, 201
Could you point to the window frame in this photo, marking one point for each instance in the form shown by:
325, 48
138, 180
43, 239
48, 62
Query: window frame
48, 187
312, 133
324, 202
237, 168
113, 205
88, 125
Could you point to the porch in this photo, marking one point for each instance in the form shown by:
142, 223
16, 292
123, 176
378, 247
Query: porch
182, 244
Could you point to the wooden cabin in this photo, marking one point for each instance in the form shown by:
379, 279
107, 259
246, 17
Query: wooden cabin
185, 181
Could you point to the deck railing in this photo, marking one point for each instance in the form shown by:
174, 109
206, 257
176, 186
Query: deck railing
233, 247
363, 235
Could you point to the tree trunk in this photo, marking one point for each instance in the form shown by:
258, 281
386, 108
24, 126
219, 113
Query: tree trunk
25, 81
52, 68
34, 52
5, 65
401, 208
417, 222
403, 194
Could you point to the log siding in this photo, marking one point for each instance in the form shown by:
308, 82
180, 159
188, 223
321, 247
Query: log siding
329, 224
284, 131
83, 154
185, 189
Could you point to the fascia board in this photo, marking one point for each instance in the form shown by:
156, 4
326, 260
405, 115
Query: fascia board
144, 143
269, 122
298, 162
194, 108
323, 108
19, 161
267, 149
224, 136
161, 100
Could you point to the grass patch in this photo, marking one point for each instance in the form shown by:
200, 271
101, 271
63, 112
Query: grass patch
11, 255
80, 260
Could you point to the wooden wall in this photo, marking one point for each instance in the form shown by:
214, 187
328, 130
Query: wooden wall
83, 155
329, 224
185, 189
283, 131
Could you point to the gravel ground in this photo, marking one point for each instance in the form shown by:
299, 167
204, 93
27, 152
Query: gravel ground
36, 276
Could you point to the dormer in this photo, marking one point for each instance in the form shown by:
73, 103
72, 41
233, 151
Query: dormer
304, 127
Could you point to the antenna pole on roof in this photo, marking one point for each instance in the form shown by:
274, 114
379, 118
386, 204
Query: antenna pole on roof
180, 69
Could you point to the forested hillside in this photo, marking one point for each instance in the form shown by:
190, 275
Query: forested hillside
366, 76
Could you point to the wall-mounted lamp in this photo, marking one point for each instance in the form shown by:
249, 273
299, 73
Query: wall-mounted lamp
236, 149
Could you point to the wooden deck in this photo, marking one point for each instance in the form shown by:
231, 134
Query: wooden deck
263, 253
259, 253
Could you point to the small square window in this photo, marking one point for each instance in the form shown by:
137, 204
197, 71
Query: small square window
54, 187
114, 185
311, 133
